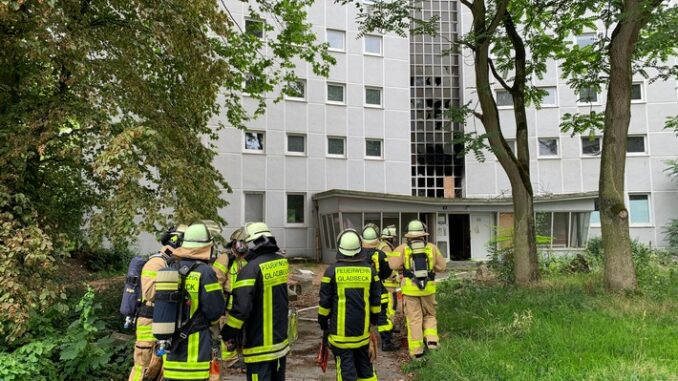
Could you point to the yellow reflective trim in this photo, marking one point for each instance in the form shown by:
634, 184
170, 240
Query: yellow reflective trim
220, 267
326, 279
376, 278
255, 377
145, 333
212, 287
375, 309
338, 362
431, 332
392, 253
149, 273
138, 373
244, 283
266, 357
337, 342
186, 375
234, 322
373, 378
182, 365
193, 347
266, 348
166, 286
341, 311
385, 327
323, 311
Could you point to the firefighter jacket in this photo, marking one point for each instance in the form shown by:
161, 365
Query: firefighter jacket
349, 301
190, 360
435, 263
220, 267
392, 281
260, 306
378, 260
144, 331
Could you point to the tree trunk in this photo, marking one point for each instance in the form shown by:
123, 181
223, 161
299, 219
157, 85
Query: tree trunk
619, 273
524, 236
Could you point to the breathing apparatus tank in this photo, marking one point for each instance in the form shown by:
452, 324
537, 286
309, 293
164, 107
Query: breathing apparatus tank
419, 263
166, 309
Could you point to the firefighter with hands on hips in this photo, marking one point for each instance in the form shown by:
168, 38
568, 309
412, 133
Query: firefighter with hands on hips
202, 302
227, 266
350, 301
260, 307
378, 259
147, 365
419, 260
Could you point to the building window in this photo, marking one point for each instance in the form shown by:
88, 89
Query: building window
254, 207
254, 141
512, 145
296, 144
295, 208
373, 148
637, 92
336, 39
550, 98
297, 90
255, 28
635, 145
335, 93
548, 147
586, 39
335, 146
588, 95
504, 98
373, 45
639, 209
562, 229
595, 214
590, 146
373, 96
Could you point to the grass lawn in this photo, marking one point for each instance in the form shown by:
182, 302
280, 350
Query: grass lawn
565, 328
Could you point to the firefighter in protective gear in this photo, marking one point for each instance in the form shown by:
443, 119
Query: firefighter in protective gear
191, 352
260, 307
419, 260
350, 300
378, 259
147, 365
387, 245
227, 266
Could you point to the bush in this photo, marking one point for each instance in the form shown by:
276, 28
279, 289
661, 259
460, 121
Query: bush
28, 269
671, 231
106, 259
84, 351
501, 262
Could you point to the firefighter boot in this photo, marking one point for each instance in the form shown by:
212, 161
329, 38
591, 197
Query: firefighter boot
387, 343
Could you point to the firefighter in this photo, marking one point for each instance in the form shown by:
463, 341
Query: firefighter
260, 307
227, 266
350, 302
147, 365
378, 259
191, 351
387, 244
419, 260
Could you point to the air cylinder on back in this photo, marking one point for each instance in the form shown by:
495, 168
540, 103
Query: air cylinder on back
166, 303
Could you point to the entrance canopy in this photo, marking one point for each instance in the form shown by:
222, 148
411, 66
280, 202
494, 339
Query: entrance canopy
461, 227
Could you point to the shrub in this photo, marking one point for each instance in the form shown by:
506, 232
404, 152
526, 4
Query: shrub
106, 259
501, 262
28, 269
671, 231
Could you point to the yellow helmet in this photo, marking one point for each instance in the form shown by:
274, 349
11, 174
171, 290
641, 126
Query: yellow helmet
197, 235
349, 243
370, 235
255, 230
416, 229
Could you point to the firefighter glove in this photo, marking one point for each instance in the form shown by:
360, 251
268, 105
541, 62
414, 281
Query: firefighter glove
324, 322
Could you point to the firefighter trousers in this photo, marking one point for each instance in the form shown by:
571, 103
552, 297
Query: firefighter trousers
267, 370
420, 314
384, 322
354, 364
147, 365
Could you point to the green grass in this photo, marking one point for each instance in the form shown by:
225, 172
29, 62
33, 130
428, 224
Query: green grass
566, 328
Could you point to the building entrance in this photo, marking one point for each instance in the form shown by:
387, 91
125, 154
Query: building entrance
460, 237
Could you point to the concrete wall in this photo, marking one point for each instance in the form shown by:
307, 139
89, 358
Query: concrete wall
571, 171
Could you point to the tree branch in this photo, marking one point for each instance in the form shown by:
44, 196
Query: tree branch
466, 3
498, 17
478, 115
498, 77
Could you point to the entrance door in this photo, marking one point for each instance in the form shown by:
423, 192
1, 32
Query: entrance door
460, 237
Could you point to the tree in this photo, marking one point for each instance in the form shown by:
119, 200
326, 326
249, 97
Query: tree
105, 107
643, 37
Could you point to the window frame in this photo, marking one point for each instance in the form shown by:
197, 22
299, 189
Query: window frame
581, 147
539, 154
303, 223
333, 155
595, 103
644, 153
287, 144
595, 38
343, 40
381, 149
263, 29
381, 45
596, 209
343, 93
299, 99
643, 97
649, 223
555, 97
254, 151
263, 204
496, 100
381, 97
